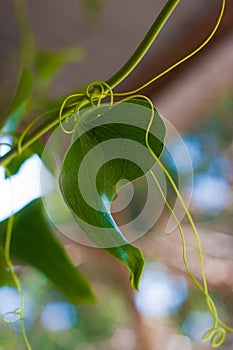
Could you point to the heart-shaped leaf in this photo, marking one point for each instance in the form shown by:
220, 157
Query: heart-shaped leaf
33, 242
109, 145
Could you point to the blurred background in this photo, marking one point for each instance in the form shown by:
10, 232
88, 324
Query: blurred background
72, 44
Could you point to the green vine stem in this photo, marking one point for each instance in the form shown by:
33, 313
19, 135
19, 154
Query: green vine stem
96, 91
144, 46
116, 79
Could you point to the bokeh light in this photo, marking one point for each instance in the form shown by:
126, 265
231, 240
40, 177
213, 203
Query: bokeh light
59, 315
160, 293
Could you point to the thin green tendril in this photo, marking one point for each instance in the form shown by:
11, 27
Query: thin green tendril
199, 48
98, 90
20, 310
26, 130
74, 112
216, 334
94, 92
91, 88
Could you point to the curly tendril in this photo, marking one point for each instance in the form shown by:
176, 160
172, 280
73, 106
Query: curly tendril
216, 334
96, 91
93, 95
20, 310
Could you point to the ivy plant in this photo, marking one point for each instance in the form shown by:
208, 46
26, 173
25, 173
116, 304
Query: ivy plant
97, 122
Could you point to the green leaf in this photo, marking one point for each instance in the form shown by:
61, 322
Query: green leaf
49, 63
36, 148
15, 164
33, 242
19, 102
109, 146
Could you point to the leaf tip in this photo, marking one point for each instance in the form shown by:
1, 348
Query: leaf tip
136, 274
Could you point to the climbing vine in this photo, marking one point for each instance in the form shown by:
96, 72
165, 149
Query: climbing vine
96, 106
